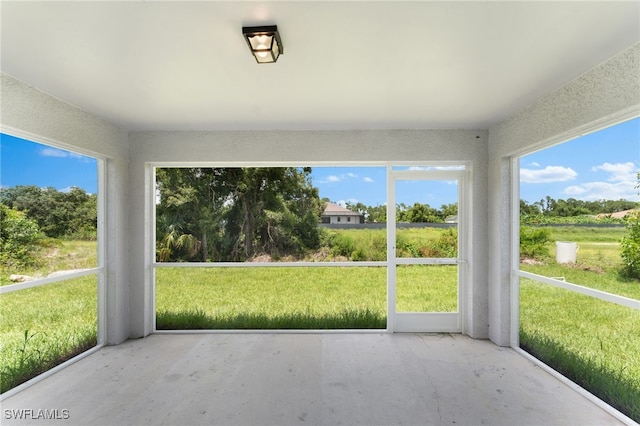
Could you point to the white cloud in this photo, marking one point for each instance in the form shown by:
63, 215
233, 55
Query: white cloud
619, 172
620, 184
343, 203
368, 179
59, 153
548, 174
334, 178
53, 152
592, 191
534, 164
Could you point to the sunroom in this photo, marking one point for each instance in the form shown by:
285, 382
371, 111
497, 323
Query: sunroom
424, 91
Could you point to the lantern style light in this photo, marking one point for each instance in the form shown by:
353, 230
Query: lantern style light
264, 42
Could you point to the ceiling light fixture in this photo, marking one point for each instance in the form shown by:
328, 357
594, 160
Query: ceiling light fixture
264, 42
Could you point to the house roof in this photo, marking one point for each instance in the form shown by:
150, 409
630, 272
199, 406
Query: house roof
332, 209
156, 65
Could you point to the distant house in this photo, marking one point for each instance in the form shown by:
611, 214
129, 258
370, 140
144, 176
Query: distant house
335, 214
451, 219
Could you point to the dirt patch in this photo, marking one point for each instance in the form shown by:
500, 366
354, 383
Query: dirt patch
585, 267
320, 256
263, 258
531, 261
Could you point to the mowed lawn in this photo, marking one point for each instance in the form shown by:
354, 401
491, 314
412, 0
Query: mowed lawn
43, 326
274, 295
595, 343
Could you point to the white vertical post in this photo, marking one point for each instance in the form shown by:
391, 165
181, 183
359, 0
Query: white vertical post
102, 269
391, 250
150, 251
514, 301
463, 252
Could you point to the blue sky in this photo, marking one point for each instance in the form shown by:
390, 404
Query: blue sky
29, 163
601, 165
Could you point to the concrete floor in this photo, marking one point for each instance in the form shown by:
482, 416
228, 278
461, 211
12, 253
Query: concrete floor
306, 379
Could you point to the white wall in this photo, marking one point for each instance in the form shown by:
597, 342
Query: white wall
36, 116
603, 96
310, 148
344, 220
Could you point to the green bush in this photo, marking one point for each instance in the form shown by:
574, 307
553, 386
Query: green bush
406, 247
445, 246
630, 246
533, 242
18, 238
342, 245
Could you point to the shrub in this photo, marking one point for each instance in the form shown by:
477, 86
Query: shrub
18, 238
630, 246
447, 244
405, 247
342, 245
533, 242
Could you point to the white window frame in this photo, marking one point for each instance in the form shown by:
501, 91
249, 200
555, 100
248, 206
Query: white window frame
516, 272
99, 271
464, 197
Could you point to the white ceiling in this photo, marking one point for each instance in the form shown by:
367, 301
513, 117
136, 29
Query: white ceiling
346, 65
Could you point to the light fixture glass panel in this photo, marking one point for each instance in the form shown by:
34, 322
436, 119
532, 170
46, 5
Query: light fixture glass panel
261, 42
264, 57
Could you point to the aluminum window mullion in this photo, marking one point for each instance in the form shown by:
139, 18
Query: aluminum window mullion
50, 280
587, 291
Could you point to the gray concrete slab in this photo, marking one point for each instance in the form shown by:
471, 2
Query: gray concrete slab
305, 379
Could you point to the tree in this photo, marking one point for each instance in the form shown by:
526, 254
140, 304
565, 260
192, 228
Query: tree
18, 238
236, 213
420, 213
58, 214
630, 244
272, 210
190, 212
447, 210
529, 209
377, 214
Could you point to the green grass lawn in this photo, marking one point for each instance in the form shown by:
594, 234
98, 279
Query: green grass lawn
427, 288
595, 343
43, 326
290, 297
217, 296
592, 234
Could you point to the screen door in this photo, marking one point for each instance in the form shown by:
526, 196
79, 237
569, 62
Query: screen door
426, 263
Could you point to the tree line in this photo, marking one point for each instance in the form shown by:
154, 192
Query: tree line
58, 214
29, 214
235, 214
550, 207
416, 213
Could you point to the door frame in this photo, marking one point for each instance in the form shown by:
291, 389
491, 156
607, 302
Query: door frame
451, 322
